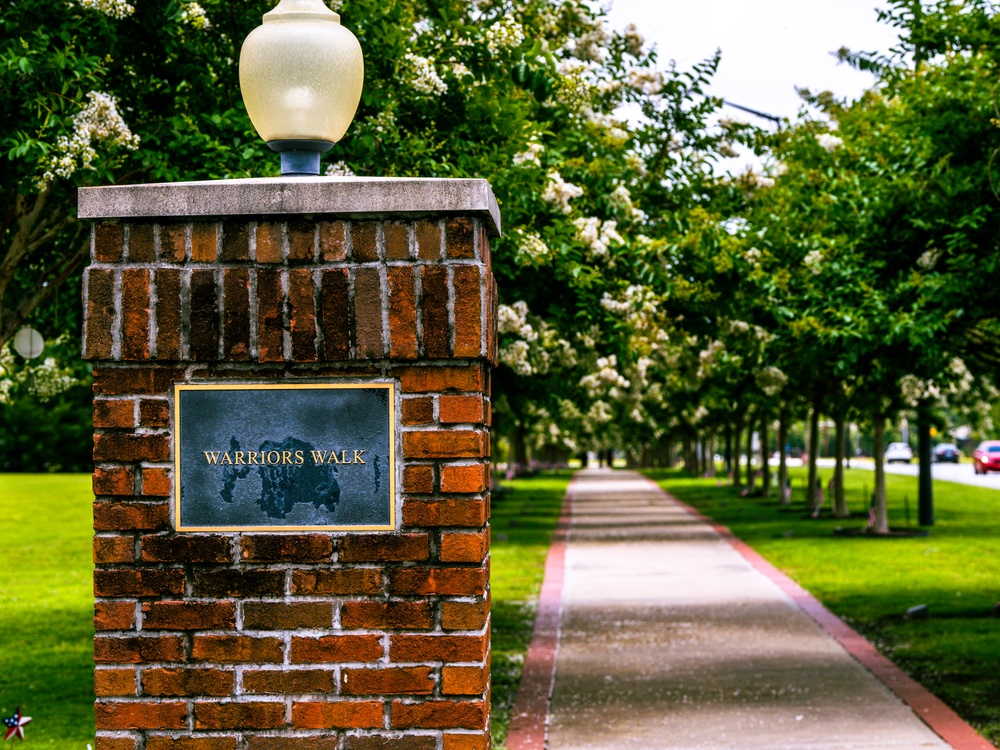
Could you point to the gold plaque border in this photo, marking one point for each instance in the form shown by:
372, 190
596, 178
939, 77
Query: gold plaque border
393, 500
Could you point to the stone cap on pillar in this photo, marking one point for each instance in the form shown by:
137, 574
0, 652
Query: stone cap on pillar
349, 197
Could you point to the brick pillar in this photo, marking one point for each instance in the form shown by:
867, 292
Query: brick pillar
243, 640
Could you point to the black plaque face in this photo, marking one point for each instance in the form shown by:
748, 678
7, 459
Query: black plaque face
270, 457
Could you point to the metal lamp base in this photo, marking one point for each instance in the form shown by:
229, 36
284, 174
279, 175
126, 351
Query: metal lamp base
299, 158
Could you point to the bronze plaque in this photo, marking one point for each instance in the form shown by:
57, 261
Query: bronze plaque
285, 457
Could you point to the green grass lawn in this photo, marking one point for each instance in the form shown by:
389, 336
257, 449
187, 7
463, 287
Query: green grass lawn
871, 582
46, 601
523, 518
46, 606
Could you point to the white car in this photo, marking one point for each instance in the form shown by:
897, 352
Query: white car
898, 452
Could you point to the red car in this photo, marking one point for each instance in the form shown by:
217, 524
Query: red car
986, 457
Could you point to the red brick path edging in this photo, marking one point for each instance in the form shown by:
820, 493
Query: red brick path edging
529, 716
942, 720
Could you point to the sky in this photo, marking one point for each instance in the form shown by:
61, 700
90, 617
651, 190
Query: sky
769, 47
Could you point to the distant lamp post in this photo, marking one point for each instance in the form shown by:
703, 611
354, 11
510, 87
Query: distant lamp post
29, 343
301, 74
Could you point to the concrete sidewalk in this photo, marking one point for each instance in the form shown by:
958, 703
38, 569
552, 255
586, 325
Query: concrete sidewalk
670, 638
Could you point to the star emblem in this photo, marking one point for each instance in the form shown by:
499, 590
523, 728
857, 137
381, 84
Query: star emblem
15, 725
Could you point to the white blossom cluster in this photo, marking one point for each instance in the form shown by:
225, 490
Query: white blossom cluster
6, 373
612, 128
532, 249
771, 380
514, 319
515, 356
622, 198
605, 378
44, 381
593, 45
829, 141
633, 40
929, 259
423, 76
559, 193
338, 169
506, 33
597, 235
99, 121
708, 357
530, 156
645, 81
114, 8
575, 88
813, 261
194, 15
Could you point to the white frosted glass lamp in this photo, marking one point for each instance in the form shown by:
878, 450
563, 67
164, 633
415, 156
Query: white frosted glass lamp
29, 343
301, 74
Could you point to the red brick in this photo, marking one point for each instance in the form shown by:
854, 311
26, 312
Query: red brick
100, 313
235, 240
461, 409
173, 243
464, 615
204, 241
187, 682
463, 680
237, 649
270, 316
439, 714
166, 742
435, 327
484, 245
438, 581
269, 242
450, 512
471, 548
301, 241
285, 616
391, 681
168, 313
368, 312
394, 742
337, 715
301, 548
302, 314
154, 412
332, 241
186, 548
140, 243
108, 243
359, 581
329, 649
114, 615
114, 549
459, 238
114, 413
128, 448
418, 480
113, 480
492, 313
135, 313
131, 582
468, 312
462, 742
396, 236
422, 379
363, 247
445, 648
138, 650
446, 444
256, 715
289, 682
402, 313
204, 332
156, 482
124, 381
114, 682
115, 743
141, 715
334, 314
418, 410
122, 516
428, 238
465, 479
236, 314
167, 615
397, 615
384, 547
229, 582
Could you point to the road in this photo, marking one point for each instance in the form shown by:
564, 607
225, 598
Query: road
960, 473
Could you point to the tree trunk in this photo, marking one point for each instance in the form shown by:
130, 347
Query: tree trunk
881, 509
840, 499
926, 484
729, 450
783, 454
811, 495
710, 468
765, 467
737, 432
751, 475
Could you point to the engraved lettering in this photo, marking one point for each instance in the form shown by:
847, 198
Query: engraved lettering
343, 458
286, 457
239, 457
319, 457
226, 459
300, 457
276, 457
357, 456
212, 457
252, 458
333, 458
